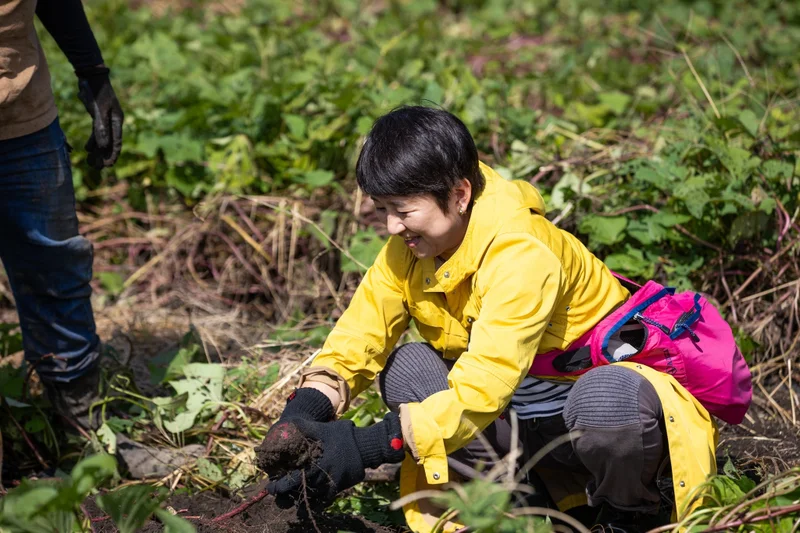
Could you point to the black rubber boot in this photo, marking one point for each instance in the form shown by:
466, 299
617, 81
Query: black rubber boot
74, 400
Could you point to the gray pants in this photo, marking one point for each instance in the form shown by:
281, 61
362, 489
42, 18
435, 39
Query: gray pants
614, 414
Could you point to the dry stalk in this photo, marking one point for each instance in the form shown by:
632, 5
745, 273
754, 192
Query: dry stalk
282, 237
702, 85
247, 238
293, 241
333, 242
261, 401
791, 391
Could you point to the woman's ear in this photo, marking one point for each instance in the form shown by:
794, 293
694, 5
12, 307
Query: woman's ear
462, 195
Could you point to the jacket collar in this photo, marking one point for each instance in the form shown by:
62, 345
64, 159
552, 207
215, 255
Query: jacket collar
500, 200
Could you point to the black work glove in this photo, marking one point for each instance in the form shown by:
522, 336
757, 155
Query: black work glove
309, 404
97, 95
345, 453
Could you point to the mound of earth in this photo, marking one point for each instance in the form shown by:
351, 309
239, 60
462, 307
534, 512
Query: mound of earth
285, 449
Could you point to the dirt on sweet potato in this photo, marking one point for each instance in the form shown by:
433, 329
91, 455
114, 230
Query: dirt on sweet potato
285, 449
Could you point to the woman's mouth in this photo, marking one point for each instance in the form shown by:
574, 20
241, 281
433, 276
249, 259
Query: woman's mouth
412, 242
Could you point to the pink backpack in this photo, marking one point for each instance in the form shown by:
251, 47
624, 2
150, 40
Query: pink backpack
678, 334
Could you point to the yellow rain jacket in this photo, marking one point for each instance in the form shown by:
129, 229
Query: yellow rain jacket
516, 286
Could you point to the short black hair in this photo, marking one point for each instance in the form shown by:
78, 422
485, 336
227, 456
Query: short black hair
415, 150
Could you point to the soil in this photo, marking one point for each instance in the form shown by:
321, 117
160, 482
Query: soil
768, 440
286, 449
262, 517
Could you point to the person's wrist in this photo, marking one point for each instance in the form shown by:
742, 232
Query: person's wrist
309, 404
92, 71
381, 443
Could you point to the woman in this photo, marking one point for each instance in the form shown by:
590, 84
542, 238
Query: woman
490, 283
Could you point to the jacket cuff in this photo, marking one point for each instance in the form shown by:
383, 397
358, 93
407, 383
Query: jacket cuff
331, 378
421, 436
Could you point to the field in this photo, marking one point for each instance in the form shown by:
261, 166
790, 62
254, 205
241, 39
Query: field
230, 235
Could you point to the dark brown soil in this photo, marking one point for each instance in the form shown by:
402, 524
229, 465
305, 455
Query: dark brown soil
286, 449
262, 517
769, 438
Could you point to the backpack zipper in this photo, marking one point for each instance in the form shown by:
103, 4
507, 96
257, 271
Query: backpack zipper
641, 318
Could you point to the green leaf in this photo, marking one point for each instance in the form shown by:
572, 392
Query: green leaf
10, 342
364, 247
653, 177
169, 364
112, 282
107, 436
92, 471
631, 262
568, 182
364, 124
433, 94
35, 425
317, 178
28, 500
475, 110
209, 470
668, 219
775, 170
750, 122
603, 230
694, 195
173, 523
131, 506
616, 101
177, 148
182, 421
202, 390
296, 125
327, 226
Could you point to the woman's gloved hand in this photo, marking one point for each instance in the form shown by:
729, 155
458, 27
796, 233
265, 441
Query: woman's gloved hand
278, 444
345, 452
99, 99
309, 404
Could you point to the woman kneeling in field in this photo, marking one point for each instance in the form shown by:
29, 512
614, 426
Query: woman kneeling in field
495, 289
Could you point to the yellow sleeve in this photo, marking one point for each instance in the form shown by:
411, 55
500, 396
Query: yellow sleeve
519, 282
366, 333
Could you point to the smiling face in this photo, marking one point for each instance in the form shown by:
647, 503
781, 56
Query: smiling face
420, 221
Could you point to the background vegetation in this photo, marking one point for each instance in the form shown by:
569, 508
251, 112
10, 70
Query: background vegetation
665, 134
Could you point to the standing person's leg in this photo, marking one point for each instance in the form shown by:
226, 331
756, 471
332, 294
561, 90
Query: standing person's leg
49, 266
621, 440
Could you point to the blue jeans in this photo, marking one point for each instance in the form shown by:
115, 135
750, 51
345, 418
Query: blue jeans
49, 265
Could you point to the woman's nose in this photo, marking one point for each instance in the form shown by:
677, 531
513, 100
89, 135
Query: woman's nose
393, 225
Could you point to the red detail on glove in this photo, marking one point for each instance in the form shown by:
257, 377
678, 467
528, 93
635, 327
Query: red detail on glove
396, 443
291, 396
284, 434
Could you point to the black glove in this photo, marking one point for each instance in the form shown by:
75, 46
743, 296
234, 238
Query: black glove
97, 95
309, 404
346, 452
